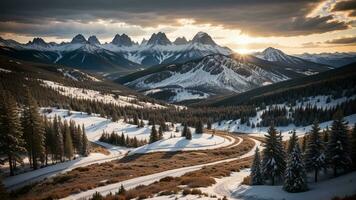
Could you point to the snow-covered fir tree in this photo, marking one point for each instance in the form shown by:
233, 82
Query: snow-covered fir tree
273, 163
338, 146
314, 155
295, 179
292, 142
256, 172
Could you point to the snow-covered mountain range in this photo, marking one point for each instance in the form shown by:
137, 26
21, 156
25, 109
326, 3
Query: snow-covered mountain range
211, 75
295, 63
120, 54
336, 59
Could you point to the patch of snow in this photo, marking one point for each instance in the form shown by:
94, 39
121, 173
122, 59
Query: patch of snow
80, 93
5, 70
198, 142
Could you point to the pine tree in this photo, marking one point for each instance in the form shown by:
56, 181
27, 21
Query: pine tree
314, 155
199, 127
11, 142
295, 176
85, 147
273, 164
208, 125
153, 135
48, 139
292, 142
68, 145
122, 190
185, 129
353, 146
33, 131
114, 117
338, 146
304, 142
188, 134
97, 196
160, 133
58, 139
135, 120
256, 172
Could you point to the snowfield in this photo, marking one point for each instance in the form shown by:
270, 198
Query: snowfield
95, 125
327, 189
198, 142
318, 101
80, 93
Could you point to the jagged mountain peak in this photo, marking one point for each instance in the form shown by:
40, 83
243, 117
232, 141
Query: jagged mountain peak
122, 40
38, 41
180, 40
144, 41
79, 39
93, 40
159, 38
203, 38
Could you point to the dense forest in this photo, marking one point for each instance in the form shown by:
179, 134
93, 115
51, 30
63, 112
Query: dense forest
24, 131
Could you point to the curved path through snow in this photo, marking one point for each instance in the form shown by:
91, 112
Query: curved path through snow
145, 180
21, 180
225, 186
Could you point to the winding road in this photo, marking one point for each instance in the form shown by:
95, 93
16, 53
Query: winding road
145, 180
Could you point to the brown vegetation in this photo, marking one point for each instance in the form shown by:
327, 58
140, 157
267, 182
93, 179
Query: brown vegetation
89, 177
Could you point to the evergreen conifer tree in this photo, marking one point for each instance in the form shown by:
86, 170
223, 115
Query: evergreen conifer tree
353, 146
273, 164
338, 145
11, 141
314, 155
33, 130
68, 145
153, 135
292, 141
295, 176
185, 129
160, 133
199, 127
188, 134
85, 147
58, 138
256, 172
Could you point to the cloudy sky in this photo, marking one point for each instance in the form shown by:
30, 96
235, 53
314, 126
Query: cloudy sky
295, 26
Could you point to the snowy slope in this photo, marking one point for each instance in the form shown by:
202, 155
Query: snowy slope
80, 93
198, 142
334, 59
293, 63
318, 101
95, 125
213, 74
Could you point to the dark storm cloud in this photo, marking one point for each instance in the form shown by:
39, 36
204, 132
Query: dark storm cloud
346, 40
262, 17
349, 5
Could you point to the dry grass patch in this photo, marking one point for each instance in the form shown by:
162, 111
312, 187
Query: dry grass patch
129, 167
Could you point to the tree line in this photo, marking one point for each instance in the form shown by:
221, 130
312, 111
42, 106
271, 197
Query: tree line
302, 115
335, 149
121, 140
24, 131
